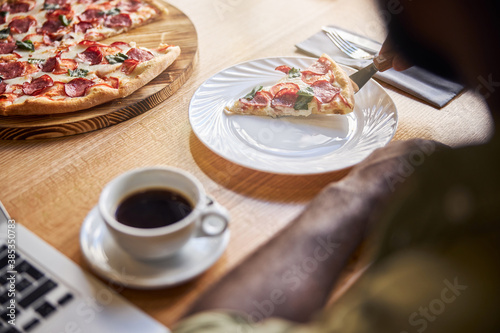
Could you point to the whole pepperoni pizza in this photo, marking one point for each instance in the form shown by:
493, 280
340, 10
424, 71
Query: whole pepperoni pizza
52, 60
322, 88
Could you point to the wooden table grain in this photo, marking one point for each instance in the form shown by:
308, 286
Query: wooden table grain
50, 186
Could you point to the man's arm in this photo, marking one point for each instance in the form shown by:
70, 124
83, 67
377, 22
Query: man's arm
292, 275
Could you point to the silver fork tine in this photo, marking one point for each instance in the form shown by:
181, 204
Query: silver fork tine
343, 44
348, 48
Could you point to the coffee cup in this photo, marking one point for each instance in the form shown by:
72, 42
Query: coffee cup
142, 228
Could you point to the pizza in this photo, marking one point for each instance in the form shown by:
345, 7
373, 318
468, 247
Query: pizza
52, 60
322, 88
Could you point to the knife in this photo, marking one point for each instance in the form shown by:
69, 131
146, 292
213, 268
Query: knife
380, 63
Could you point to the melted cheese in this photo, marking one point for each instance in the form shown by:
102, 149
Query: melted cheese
290, 111
71, 48
95, 72
144, 13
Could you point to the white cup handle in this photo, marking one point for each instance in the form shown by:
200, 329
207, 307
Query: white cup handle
214, 220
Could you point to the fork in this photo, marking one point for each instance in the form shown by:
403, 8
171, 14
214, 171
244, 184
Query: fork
380, 63
348, 48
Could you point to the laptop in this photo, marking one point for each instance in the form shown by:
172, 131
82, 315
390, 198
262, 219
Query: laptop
41, 290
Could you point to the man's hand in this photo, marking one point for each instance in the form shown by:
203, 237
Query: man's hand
398, 63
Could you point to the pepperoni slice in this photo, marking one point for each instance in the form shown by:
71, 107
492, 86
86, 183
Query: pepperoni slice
66, 10
50, 64
56, 90
285, 98
320, 67
283, 68
139, 55
91, 55
36, 86
6, 48
11, 70
279, 86
130, 5
77, 87
3, 86
261, 98
110, 50
82, 27
94, 35
63, 65
118, 21
164, 48
50, 39
310, 78
120, 45
91, 43
324, 91
91, 15
129, 65
21, 24
113, 82
17, 7
51, 26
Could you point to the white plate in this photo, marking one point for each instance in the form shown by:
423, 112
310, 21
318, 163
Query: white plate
109, 261
288, 145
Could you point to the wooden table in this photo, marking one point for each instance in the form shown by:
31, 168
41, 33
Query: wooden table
50, 186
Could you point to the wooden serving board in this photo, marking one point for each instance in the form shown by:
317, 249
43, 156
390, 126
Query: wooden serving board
175, 28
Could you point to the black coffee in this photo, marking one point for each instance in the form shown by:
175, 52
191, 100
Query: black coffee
153, 208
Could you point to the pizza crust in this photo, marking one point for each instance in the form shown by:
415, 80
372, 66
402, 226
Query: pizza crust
98, 94
348, 90
147, 71
158, 5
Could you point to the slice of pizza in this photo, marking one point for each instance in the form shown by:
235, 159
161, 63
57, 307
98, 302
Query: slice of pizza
323, 88
78, 77
62, 22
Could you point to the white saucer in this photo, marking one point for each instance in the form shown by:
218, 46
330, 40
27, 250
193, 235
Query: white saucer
109, 261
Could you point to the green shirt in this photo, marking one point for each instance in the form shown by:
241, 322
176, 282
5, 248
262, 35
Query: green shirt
436, 266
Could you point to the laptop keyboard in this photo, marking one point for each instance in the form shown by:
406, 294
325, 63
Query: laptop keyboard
37, 295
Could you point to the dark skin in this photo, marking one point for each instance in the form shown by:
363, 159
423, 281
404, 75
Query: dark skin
278, 270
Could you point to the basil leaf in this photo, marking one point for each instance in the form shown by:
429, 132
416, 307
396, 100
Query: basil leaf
35, 61
78, 72
113, 11
303, 98
4, 33
51, 6
3, 13
117, 58
294, 72
308, 92
251, 94
110, 12
26, 45
64, 20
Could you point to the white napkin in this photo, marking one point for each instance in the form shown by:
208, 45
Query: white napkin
416, 81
